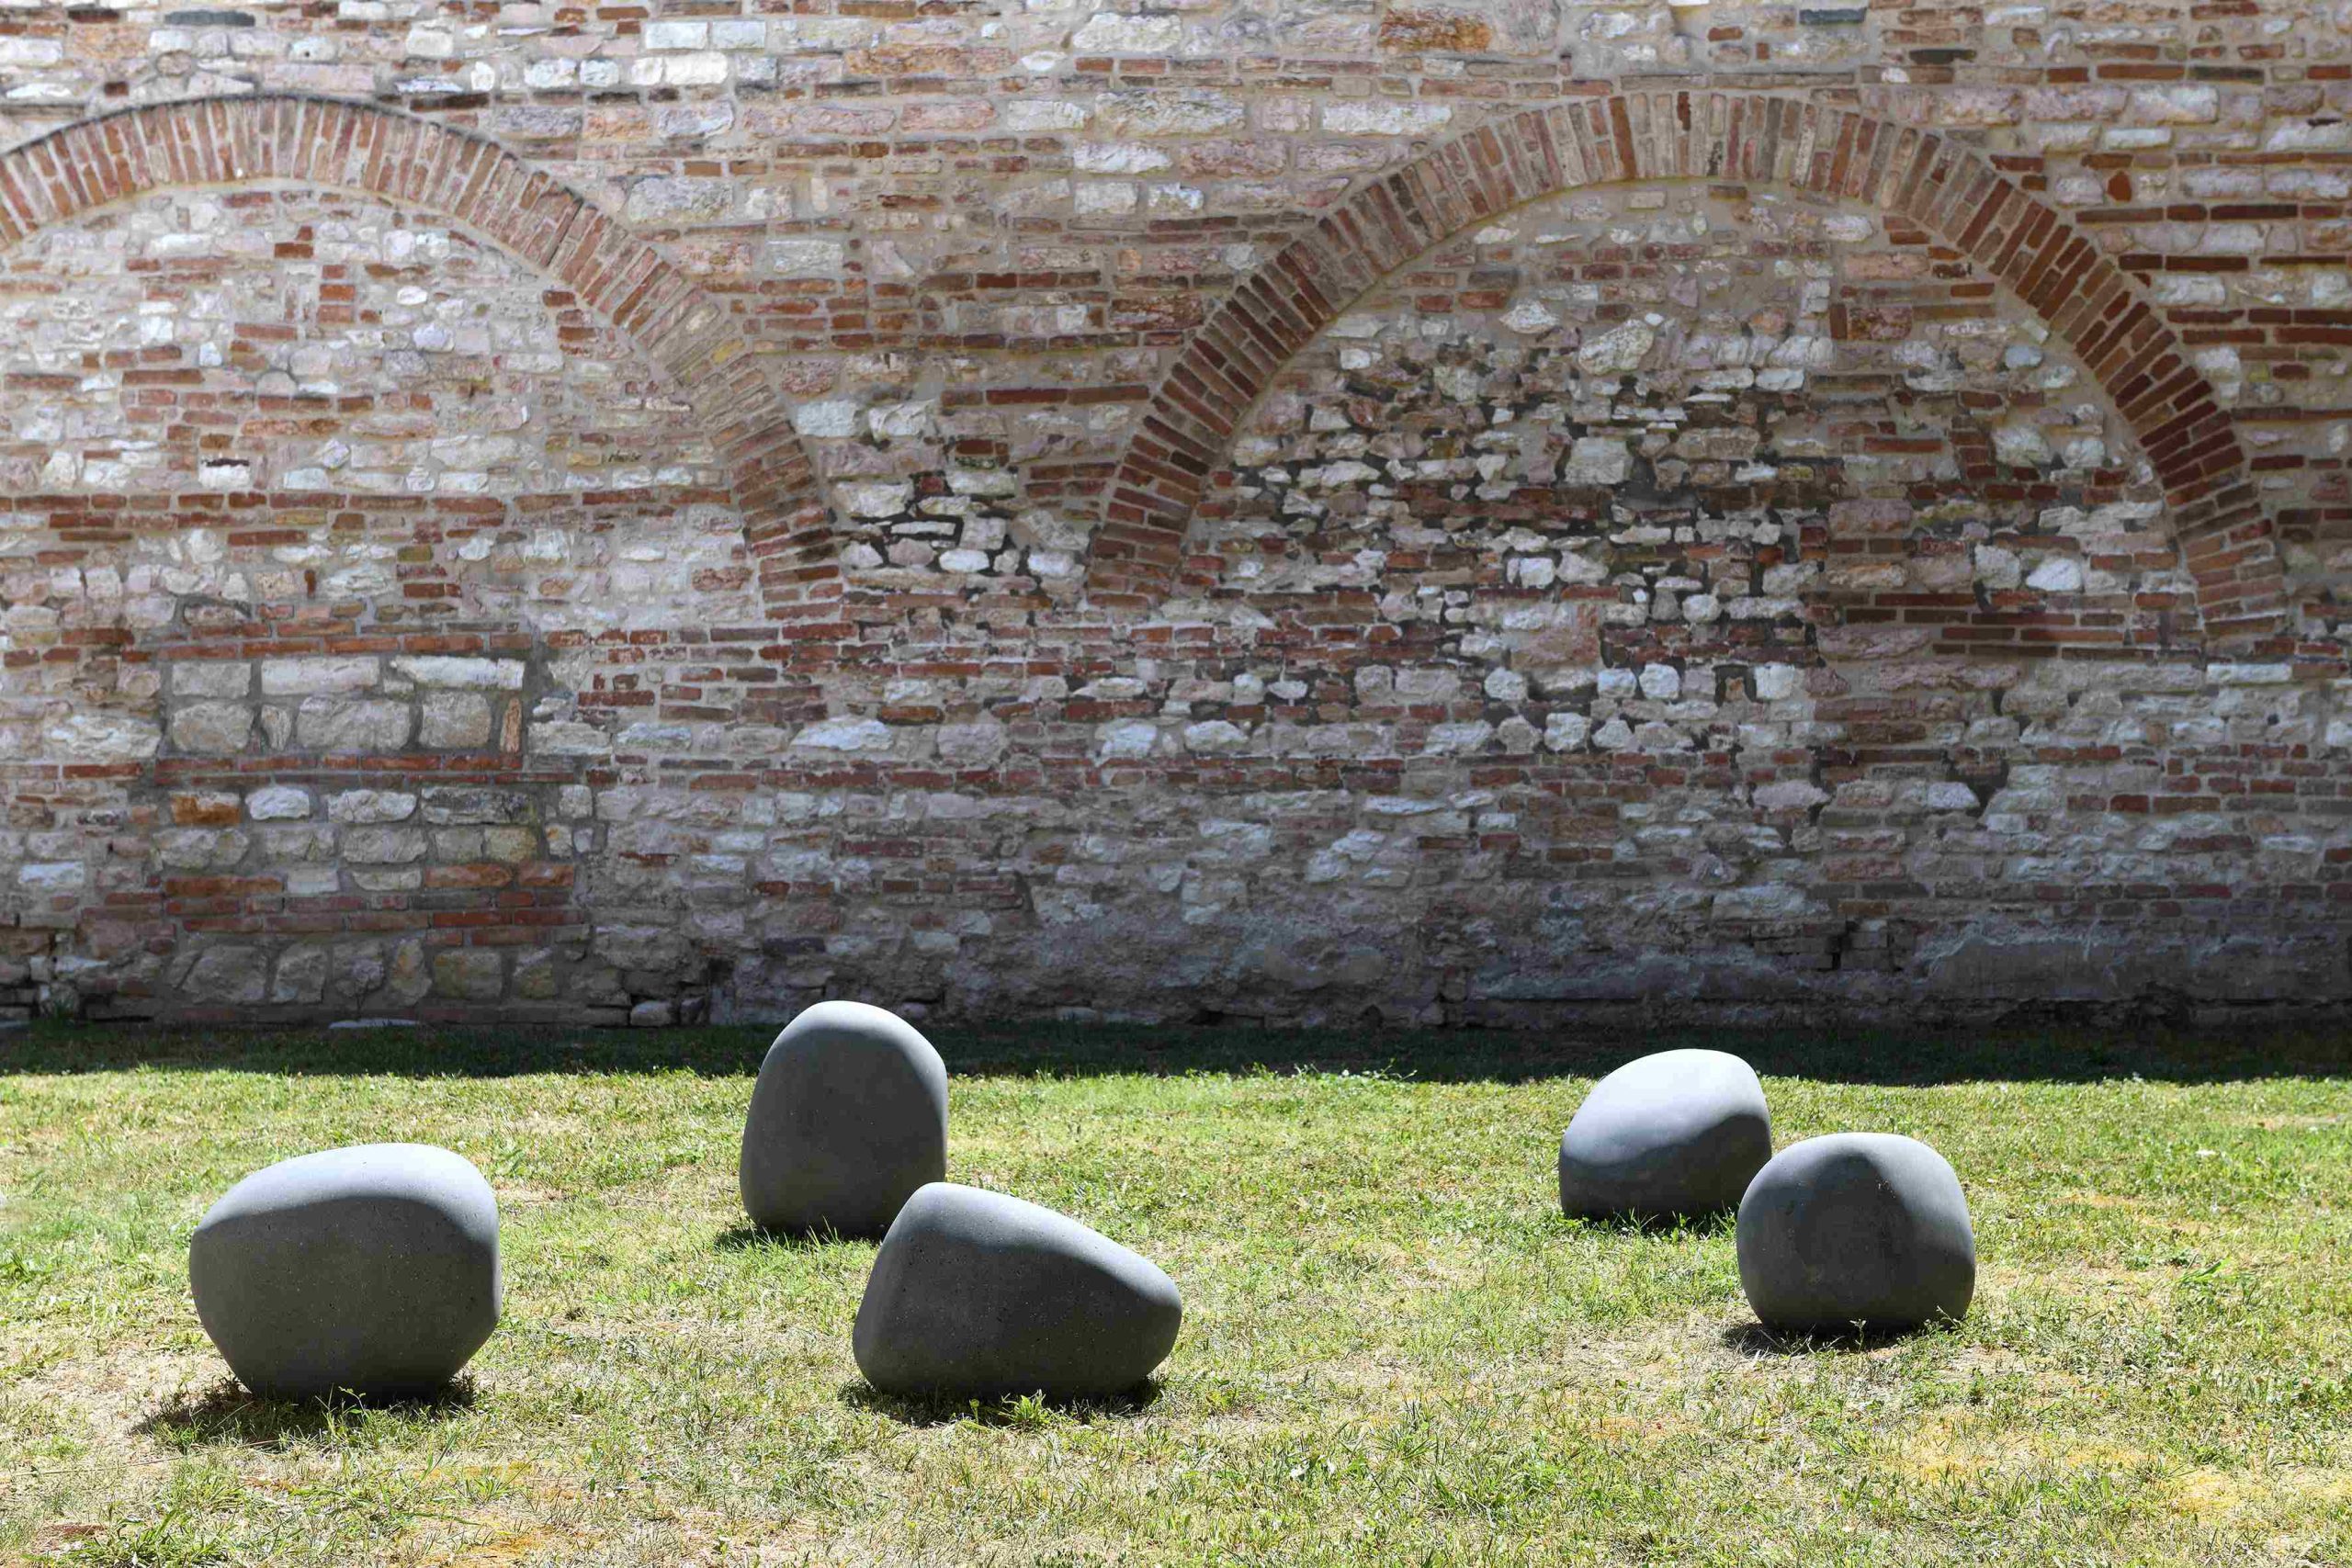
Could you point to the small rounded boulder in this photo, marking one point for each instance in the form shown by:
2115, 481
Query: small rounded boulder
979, 1295
849, 1117
1865, 1229
1676, 1134
370, 1271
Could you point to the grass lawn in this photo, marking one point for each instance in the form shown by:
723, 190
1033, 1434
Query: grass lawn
1395, 1349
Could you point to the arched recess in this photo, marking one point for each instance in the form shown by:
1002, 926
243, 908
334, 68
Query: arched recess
470, 181
1950, 190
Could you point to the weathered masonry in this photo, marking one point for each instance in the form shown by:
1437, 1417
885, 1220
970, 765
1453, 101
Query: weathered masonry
1317, 511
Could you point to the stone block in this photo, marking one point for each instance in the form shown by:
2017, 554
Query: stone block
278, 803
1615, 352
469, 973
482, 674
331, 723
304, 677
235, 976
371, 806
301, 976
102, 738
445, 804
213, 729
383, 846
211, 678
1358, 117
453, 721
538, 977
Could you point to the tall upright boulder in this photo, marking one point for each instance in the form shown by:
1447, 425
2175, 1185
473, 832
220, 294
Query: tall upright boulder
849, 1117
370, 1271
979, 1295
1679, 1133
1866, 1229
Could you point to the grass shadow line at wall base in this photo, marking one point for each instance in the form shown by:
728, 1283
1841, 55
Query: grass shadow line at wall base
1894, 1057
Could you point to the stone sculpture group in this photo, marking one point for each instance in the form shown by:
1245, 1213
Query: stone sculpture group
373, 1270
1854, 1230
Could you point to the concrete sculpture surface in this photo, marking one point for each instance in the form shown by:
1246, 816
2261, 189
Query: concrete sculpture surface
1855, 1228
1677, 1133
849, 1117
371, 1270
978, 1294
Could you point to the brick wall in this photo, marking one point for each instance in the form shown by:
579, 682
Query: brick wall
1318, 513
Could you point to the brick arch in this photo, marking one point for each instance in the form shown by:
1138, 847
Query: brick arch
473, 182
1950, 189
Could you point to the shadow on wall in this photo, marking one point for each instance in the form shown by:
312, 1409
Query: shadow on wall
2064, 1050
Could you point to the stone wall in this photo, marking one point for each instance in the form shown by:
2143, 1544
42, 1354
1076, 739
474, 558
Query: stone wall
1320, 512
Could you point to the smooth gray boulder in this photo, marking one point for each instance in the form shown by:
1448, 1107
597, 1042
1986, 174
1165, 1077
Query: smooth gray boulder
371, 1270
848, 1118
979, 1296
1679, 1133
1855, 1228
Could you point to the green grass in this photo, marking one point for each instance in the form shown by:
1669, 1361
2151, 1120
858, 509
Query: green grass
1395, 1349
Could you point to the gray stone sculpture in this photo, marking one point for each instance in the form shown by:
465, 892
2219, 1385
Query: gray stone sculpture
1863, 1228
1679, 1133
371, 1270
848, 1118
977, 1295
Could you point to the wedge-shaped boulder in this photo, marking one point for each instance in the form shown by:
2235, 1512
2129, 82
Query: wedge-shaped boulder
1855, 1228
848, 1118
371, 1270
977, 1295
1679, 1133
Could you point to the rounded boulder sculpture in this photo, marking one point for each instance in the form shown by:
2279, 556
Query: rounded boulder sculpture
1679, 1133
1863, 1229
848, 1118
370, 1271
979, 1295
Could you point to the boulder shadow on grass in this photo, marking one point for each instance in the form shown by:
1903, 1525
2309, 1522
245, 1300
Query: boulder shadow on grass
1662, 1227
228, 1413
1753, 1338
752, 1238
1018, 1411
